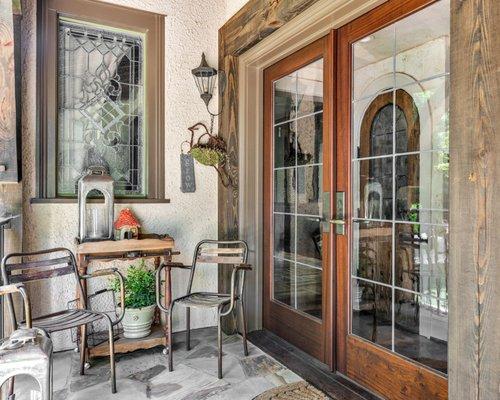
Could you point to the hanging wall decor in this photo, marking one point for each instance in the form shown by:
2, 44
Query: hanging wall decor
9, 70
210, 150
188, 182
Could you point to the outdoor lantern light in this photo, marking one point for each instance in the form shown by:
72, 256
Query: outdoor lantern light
205, 78
95, 219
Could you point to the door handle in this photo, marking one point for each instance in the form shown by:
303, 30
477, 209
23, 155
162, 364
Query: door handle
339, 220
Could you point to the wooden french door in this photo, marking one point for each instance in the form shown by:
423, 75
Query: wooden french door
297, 170
392, 164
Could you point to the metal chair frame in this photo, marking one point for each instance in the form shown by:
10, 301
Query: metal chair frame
233, 253
35, 270
40, 369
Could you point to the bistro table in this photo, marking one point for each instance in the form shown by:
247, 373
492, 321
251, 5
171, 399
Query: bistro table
150, 246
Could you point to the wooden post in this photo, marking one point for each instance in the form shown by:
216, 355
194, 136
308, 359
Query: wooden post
474, 274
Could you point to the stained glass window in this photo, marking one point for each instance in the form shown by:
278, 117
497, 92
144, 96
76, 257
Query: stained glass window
101, 107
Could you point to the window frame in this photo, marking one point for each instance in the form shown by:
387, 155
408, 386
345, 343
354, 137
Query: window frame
152, 26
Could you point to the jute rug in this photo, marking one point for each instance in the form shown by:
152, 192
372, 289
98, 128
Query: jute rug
293, 391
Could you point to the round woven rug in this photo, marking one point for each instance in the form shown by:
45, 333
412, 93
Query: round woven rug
293, 391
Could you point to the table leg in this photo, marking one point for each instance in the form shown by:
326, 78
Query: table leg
82, 265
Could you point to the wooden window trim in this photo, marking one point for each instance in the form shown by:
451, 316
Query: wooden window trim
153, 27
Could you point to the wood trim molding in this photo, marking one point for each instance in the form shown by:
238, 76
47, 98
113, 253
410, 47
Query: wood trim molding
474, 276
256, 37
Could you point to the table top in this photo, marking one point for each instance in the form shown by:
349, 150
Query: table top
108, 247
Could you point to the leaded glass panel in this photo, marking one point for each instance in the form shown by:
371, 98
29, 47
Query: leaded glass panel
101, 107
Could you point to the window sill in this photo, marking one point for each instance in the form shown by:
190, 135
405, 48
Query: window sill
37, 200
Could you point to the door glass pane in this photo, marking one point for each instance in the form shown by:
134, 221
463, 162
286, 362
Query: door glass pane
309, 190
372, 252
101, 107
298, 189
309, 247
310, 139
421, 328
372, 312
285, 98
400, 184
284, 281
310, 89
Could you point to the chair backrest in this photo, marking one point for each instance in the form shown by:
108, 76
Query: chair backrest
220, 252
36, 266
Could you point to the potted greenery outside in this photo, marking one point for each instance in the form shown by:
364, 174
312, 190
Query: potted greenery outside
140, 301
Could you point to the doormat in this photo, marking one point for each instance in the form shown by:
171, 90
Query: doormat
294, 391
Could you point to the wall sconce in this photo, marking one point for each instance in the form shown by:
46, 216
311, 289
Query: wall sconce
205, 78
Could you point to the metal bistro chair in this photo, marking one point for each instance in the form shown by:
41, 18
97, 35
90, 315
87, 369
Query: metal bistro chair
26, 352
53, 263
214, 252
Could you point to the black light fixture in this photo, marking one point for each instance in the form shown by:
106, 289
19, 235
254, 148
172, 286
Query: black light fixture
205, 79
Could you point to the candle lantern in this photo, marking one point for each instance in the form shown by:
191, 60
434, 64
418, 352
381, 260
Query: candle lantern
95, 219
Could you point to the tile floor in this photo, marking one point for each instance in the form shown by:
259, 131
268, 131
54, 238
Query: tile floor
143, 374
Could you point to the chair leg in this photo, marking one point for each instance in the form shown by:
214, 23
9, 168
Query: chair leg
243, 327
170, 341
83, 348
219, 345
188, 329
112, 358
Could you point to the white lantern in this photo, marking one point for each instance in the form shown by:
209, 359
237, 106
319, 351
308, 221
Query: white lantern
95, 219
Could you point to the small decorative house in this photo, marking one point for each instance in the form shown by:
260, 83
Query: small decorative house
126, 225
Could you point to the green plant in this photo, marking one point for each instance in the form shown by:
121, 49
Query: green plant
139, 286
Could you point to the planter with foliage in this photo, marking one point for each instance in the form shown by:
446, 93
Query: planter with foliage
140, 301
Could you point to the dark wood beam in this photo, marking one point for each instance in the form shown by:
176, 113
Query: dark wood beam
474, 274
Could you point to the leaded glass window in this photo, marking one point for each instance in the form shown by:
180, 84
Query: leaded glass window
101, 107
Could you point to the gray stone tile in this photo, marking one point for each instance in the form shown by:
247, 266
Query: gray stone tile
127, 390
179, 383
148, 374
245, 390
260, 365
144, 375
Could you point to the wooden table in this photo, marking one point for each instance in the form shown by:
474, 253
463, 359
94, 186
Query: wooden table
110, 250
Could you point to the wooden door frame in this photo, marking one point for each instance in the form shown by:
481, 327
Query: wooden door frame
368, 363
320, 49
245, 41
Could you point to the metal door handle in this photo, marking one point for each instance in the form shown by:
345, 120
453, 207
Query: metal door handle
337, 221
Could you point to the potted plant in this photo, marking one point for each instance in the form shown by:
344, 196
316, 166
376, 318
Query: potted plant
140, 301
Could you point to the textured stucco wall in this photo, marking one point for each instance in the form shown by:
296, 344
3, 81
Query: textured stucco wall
233, 6
191, 28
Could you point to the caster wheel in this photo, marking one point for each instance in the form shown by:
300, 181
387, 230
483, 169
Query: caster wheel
87, 365
165, 351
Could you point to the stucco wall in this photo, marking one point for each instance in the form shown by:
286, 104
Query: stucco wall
191, 28
233, 6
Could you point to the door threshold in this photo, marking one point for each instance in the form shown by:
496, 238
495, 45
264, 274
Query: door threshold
309, 368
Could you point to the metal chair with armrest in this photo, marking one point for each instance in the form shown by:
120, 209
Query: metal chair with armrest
48, 264
233, 253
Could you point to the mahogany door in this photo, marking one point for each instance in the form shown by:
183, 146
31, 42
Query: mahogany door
392, 164
297, 163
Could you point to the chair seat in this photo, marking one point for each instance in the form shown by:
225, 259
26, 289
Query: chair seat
204, 300
65, 320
